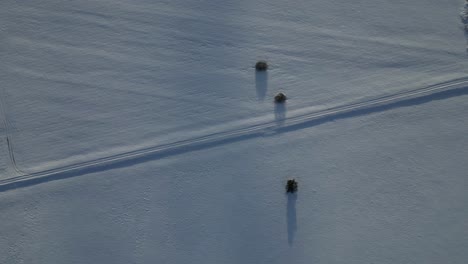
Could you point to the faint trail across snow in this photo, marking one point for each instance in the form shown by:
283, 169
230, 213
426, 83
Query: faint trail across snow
7, 127
295, 120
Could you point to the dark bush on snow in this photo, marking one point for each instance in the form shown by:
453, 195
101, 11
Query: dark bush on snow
280, 98
261, 66
291, 186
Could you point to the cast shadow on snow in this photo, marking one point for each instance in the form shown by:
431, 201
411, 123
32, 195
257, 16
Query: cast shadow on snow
280, 129
261, 84
291, 217
280, 114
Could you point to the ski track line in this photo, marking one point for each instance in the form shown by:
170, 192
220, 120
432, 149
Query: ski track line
262, 128
8, 134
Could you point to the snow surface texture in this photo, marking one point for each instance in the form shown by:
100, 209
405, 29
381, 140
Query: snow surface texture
139, 132
387, 186
86, 80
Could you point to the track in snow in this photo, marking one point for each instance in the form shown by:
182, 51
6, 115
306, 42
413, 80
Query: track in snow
464, 20
260, 129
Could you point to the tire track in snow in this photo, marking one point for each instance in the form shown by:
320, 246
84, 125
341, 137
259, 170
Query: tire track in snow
224, 136
7, 127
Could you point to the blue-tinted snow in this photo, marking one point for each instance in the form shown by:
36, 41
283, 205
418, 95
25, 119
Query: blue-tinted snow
387, 186
82, 80
85, 80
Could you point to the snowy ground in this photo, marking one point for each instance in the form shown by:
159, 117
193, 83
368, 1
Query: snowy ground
382, 187
84, 80
174, 152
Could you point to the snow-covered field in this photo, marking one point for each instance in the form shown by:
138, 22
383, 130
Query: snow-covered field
138, 132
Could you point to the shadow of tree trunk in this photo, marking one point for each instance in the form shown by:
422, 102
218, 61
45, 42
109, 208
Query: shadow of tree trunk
291, 217
261, 84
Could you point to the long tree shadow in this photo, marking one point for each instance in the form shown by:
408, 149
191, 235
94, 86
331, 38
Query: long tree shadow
280, 113
261, 84
291, 217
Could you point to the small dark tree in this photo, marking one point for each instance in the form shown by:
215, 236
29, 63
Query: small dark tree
280, 98
291, 186
261, 66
